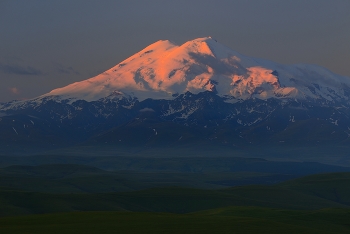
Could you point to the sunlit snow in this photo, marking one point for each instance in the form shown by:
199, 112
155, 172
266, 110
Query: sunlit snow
163, 69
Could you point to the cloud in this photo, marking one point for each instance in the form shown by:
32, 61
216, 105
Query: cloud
19, 70
67, 70
14, 90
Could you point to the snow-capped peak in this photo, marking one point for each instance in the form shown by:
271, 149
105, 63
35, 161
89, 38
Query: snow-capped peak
164, 68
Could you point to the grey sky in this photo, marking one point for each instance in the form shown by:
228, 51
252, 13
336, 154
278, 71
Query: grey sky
46, 44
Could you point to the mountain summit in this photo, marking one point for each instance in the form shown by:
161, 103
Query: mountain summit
163, 70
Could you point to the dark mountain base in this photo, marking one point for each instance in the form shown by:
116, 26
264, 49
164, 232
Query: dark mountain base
189, 120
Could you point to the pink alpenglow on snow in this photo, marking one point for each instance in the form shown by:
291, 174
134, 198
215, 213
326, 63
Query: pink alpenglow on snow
163, 69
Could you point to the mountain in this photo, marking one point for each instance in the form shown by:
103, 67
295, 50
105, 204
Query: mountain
200, 92
164, 70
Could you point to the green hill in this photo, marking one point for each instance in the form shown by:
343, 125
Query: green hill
291, 195
311, 204
227, 220
334, 187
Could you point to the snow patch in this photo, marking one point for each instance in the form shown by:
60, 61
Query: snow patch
15, 130
147, 110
